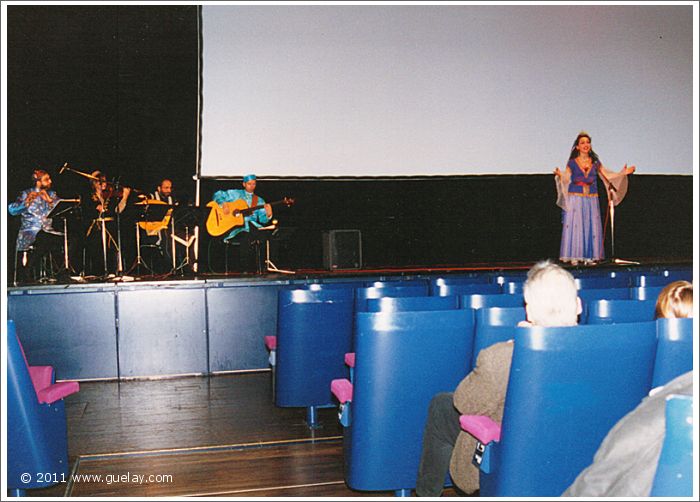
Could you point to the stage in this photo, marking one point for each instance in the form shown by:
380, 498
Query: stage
199, 325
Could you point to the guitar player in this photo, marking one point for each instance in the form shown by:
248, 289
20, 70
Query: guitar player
248, 234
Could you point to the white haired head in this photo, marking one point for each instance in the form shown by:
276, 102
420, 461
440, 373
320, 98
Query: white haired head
551, 297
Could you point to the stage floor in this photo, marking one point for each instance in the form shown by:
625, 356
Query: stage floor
371, 273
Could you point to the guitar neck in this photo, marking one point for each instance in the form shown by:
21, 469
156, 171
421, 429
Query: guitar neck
251, 210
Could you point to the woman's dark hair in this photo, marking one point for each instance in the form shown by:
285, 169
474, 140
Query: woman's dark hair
575, 152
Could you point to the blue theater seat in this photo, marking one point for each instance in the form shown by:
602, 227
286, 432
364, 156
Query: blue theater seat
489, 326
663, 278
398, 282
605, 282
674, 472
408, 303
452, 289
567, 388
480, 301
314, 331
37, 441
674, 352
645, 293
403, 360
362, 294
620, 311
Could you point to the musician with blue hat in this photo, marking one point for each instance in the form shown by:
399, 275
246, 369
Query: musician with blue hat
247, 233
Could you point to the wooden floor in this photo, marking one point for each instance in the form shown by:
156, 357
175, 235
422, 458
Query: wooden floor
199, 436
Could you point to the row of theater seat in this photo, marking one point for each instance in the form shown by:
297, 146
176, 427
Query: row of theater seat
568, 386
315, 336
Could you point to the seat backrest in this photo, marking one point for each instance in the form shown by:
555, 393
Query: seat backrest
663, 278
489, 324
403, 360
674, 352
362, 294
480, 301
314, 331
620, 311
605, 282
674, 472
567, 388
456, 289
645, 293
407, 303
397, 282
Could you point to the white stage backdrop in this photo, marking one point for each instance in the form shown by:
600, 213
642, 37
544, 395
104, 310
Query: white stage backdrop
333, 90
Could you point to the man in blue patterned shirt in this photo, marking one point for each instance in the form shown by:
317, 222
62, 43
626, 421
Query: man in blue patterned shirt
36, 236
248, 232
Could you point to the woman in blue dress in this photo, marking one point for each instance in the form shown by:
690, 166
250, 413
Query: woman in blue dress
577, 195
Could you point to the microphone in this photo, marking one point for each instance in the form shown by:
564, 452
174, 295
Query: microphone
65, 166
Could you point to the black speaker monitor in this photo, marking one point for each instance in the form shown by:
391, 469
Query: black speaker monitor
342, 249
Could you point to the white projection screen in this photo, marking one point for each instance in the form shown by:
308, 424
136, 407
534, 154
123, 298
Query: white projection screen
424, 90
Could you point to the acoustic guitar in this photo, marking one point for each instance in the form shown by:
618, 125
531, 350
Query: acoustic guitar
219, 223
153, 227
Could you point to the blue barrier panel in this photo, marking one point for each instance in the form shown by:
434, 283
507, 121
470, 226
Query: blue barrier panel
567, 388
674, 352
238, 319
314, 331
82, 322
162, 330
403, 360
398, 282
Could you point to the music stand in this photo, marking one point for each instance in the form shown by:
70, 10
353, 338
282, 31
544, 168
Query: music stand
279, 234
185, 216
62, 210
147, 212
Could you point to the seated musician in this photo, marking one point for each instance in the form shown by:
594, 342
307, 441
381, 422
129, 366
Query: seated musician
36, 237
156, 236
100, 207
248, 233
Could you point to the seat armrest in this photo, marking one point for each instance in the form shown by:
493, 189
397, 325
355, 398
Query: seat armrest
271, 342
481, 427
341, 388
57, 391
350, 359
42, 377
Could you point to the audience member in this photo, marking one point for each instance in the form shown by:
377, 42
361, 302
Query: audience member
675, 300
625, 463
551, 299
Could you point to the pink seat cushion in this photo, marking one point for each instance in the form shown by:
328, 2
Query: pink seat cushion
271, 342
57, 391
350, 359
342, 389
481, 427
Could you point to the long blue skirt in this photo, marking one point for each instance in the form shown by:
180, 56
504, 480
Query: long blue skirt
582, 233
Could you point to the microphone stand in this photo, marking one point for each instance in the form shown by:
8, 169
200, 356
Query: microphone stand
611, 212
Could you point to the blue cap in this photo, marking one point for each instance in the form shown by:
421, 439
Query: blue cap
248, 177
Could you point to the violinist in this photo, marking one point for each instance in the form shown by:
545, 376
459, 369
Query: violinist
36, 237
102, 209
